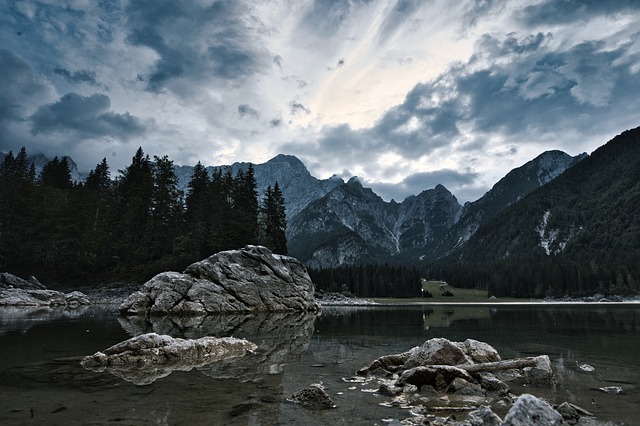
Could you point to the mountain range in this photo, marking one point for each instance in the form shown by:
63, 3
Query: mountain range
332, 222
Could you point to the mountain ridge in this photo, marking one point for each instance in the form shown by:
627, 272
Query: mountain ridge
577, 235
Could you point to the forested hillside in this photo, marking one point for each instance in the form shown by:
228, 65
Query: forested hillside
578, 235
130, 227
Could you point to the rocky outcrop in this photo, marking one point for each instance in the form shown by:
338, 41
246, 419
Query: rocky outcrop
145, 358
248, 280
15, 291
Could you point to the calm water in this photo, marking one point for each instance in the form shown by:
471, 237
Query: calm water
42, 382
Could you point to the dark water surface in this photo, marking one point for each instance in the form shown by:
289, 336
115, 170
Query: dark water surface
42, 382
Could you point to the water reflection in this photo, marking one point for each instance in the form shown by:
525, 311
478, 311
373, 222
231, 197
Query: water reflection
281, 339
40, 362
13, 318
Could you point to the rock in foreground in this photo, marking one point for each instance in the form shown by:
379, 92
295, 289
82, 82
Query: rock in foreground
145, 358
248, 280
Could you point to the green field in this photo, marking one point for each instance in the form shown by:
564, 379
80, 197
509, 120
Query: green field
437, 288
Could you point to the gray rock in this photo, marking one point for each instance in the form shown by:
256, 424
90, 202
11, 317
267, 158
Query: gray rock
483, 416
480, 351
461, 386
436, 351
145, 358
41, 298
248, 280
438, 376
529, 410
491, 383
542, 374
8, 280
314, 397
15, 291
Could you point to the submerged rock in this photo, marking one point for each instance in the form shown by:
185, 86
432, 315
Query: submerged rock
314, 397
248, 280
145, 358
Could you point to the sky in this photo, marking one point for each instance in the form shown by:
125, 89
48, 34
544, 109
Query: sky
405, 94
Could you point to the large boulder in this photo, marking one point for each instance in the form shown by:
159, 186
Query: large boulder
248, 280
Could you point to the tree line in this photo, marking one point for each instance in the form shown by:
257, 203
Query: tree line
373, 280
132, 226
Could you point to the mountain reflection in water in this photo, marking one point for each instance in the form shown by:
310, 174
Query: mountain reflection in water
41, 378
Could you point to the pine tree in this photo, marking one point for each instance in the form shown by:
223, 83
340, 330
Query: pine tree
99, 179
131, 210
198, 215
166, 208
56, 173
275, 220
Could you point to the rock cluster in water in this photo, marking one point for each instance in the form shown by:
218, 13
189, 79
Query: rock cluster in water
469, 376
248, 280
16, 291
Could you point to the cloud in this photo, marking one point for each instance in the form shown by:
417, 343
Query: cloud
298, 108
275, 122
89, 117
246, 110
196, 42
325, 17
82, 76
566, 11
454, 181
513, 91
20, 86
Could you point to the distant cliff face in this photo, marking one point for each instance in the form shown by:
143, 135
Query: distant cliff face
351, 225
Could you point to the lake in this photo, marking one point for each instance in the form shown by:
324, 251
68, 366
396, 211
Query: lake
42, 382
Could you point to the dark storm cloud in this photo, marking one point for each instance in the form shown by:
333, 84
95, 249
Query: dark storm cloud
565, 11
196, 42
418, 182
82, 76
245, 110
88, 116
19, 85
